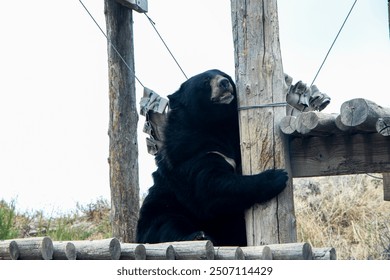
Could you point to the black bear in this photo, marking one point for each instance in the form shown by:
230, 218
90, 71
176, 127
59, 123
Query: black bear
198, 191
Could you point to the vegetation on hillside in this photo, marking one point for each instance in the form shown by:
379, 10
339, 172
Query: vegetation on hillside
346, 212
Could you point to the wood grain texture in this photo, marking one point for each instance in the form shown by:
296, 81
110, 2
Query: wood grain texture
362, 114
260, 80
340, 155
123, 119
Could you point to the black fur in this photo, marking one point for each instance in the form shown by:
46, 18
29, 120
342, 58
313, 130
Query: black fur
197, 193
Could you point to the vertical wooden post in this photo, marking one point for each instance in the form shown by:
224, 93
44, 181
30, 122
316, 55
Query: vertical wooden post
260, 81
123, 151
386, 186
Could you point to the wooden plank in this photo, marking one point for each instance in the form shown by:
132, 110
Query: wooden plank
140, 6
386, 186
339, 155
260, 80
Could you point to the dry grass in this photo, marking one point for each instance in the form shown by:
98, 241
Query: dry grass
347, 213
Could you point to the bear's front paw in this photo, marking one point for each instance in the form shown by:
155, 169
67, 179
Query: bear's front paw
199, 235
276, 177
273, 182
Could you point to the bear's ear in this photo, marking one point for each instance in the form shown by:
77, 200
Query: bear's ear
177, 99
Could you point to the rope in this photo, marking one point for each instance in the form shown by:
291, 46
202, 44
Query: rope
112, 45
166, 46
334, 41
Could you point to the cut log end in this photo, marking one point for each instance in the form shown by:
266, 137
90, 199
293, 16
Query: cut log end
115, 249
14, 250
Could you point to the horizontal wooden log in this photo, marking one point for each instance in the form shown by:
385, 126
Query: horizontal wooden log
105, 249
386, 186
342, 127
9, 250
229, 253
194, 250
362, 113
339, 155
316, 124
257, 253
159, 251
382, 126
64, 250
37, 248
288, 125
291, 251
130, 251
324, 253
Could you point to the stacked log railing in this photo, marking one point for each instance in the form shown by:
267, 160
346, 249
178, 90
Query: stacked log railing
320, 145
356, 116
354, 141
43, 248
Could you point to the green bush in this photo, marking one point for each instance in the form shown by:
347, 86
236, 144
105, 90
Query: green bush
7, 215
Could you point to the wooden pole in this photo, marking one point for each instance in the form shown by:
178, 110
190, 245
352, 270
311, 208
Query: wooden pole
260, 81
123, 151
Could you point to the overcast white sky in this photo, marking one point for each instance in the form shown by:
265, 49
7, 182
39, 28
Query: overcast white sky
54, 89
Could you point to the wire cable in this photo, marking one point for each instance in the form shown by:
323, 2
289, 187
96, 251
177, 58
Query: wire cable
112, 45
334, 41
166, 46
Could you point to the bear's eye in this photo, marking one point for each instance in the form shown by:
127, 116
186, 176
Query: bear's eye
206, 81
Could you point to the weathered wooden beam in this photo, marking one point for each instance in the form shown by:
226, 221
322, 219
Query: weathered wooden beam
37, 248
339, 155
362, 114
160, 251
257, 253
291, 251
9, 250
64, 250
104, 249
261, 83
229, 253
130, 251
324, 254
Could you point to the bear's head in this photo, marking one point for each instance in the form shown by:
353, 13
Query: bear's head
209, 96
